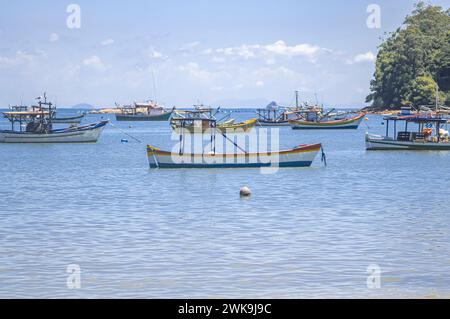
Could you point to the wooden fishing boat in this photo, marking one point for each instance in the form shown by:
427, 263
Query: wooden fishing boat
68, 120
274, 115
36, 126
148, 111
201, 125
300, 156
279, 117
79, 134
321, 123
428, 135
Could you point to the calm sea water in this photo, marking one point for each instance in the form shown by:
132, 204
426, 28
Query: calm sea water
136, 232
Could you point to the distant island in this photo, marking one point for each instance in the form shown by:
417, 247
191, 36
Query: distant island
413, 62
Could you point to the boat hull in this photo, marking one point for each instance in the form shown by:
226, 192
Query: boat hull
379, 143
68, 120
86, 134
272, 123
299, 157
138, 117
349, 124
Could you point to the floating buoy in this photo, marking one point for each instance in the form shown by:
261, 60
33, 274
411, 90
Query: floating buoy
245, 192
367, 118
123, 141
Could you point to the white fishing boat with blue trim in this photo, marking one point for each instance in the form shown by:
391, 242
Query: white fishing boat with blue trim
35, 125
420, 132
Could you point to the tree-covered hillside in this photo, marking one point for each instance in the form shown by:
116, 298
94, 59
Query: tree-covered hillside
414, 59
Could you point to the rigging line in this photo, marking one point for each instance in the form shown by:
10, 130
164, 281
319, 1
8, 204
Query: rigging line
134, 138
232, 142
154, 86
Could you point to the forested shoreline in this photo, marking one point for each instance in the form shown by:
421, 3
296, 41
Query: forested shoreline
413, 62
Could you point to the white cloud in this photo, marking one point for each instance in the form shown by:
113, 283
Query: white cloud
152, 53
363, 57
269, 51
217, 88
270, 61
218, 59
268, 72
95, 62
107, 42
54, 37
259, 83
281, 48
21, 57
194, 70
190, 45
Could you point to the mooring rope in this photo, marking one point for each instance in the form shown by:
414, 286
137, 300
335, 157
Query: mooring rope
324, 156
129, 135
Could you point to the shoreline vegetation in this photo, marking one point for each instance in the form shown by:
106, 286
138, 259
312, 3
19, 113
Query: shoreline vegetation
413, 62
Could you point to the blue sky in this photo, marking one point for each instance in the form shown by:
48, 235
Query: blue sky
232, 53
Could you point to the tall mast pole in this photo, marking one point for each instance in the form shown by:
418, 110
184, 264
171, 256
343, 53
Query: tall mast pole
296, 99
437, 97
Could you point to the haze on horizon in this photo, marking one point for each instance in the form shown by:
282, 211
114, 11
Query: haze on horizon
230, 53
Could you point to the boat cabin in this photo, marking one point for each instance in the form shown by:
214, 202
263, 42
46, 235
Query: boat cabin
35, 119
427, 129
200, 123
272, 115
146, 108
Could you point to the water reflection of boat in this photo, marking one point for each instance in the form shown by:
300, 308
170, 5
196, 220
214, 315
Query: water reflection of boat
429, 134
301, 156
36, 126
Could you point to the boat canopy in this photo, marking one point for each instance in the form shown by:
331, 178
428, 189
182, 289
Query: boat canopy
28, 113
417, 119
191, 119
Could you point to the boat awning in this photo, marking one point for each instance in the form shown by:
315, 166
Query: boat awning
25, 113
416, 119
190, 119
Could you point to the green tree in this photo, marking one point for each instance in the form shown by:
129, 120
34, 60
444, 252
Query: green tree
423, 91
412, 59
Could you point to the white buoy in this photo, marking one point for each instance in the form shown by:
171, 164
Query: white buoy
245, 192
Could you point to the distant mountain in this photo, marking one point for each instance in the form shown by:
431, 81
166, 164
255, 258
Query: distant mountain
83, 106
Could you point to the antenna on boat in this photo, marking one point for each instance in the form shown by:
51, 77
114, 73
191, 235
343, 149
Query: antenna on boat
154, 86
437, 97
296, 99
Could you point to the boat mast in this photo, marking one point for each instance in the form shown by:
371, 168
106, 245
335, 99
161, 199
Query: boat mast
437, 97
296, 99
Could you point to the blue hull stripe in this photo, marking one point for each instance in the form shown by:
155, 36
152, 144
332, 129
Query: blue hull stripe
327, 128
237, 165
